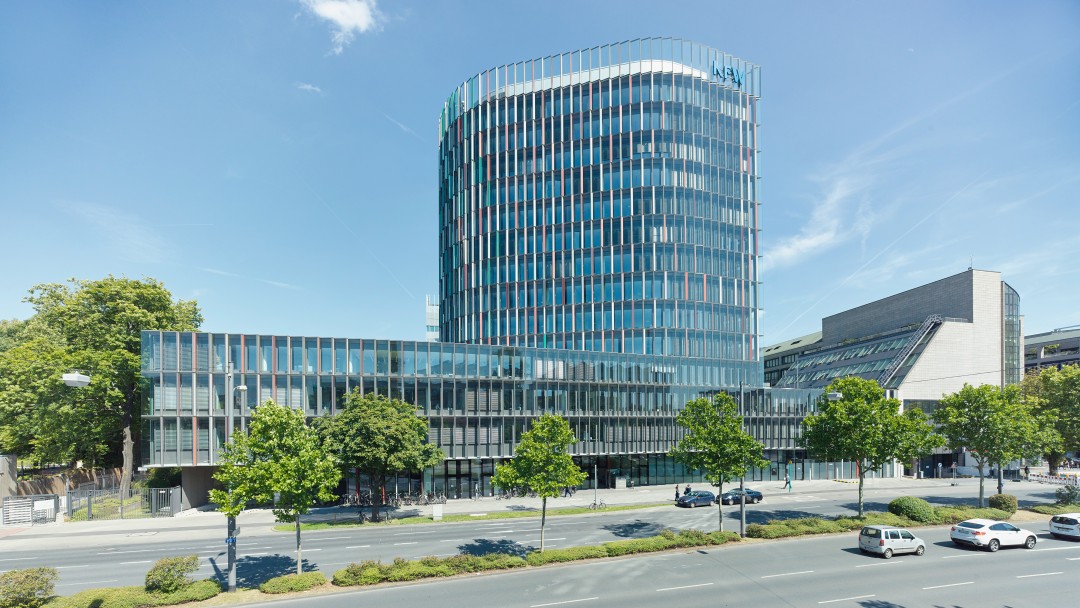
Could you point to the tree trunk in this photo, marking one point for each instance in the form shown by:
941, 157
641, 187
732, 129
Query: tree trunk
299, 559
129, 456
982, 479
376, 497
862, 476
543, 521
720, 505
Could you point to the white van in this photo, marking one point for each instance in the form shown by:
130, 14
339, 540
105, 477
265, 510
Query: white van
888, 540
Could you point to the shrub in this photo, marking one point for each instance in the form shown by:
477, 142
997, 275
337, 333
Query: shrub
1004, 502
170, 574
27, 588
1055, 509
913, 508
568, 554
192, 592
638, 545
1067, 495
293, 582
692, 538
367, 572
719, 538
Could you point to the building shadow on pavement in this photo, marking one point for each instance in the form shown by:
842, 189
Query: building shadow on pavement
483, 546
252, 571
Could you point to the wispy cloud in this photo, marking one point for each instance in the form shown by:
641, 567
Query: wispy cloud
401, 126
226, 273
303, 86
126, 234
347, 18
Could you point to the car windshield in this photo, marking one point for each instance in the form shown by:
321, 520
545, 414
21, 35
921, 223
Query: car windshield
970, 524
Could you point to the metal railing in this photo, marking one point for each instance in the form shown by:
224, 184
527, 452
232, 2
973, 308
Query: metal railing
86, 505
29, 510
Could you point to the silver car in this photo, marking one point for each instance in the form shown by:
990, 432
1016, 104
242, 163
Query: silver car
887, 540
991, 534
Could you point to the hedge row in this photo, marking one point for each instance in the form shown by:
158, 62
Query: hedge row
1056, 509
782, 528
137, 597
372, 572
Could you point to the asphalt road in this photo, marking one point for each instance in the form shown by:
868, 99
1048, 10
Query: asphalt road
122, 556
812, 572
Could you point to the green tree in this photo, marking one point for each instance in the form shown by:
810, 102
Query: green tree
98, 325
1055, 395
279, 459
855, 421
541, 463
715, 442
379, 437
996, 425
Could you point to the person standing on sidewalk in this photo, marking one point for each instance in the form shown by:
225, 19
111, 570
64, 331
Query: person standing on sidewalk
676, 493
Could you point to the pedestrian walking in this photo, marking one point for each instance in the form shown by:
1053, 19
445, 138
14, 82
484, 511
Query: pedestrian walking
566, 492
687, 490
787, 481
676, 493
1027, 472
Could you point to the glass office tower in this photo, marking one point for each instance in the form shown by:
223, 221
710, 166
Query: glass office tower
604, 200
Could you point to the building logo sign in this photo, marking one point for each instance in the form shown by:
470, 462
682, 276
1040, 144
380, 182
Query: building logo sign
727, 73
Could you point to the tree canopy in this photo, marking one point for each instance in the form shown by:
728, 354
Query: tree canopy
715, 442
542, 463
379, 436
995, 424
1055, 397
280, 459
94, 327
855, 421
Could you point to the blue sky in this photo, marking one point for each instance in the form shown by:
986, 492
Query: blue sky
276, 160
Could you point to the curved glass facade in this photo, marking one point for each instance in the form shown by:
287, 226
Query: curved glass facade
604, 200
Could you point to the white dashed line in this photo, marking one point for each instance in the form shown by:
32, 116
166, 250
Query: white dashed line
1041, 574
684, 587
788, 574
584, 599
949, 585
846, 599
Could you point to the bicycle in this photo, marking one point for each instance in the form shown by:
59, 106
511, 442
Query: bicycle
598, 505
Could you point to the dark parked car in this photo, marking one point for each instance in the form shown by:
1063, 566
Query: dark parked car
731, 497
696, 498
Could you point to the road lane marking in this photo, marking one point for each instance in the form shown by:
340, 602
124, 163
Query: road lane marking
68, 567
16, 559
949, 585
145, 561
1056, 548
254, 554
1072, 559
1040, 574
359, 547
412, 543
410, 533
584, 599
132, 551
684, 587
970, 555
454, 540
310, 550
845, 599
327, 538
888, 563
788, 574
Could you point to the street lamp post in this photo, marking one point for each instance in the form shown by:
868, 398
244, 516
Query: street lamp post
230, 540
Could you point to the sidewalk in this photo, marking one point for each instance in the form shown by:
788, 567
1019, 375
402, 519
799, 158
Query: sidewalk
208, 522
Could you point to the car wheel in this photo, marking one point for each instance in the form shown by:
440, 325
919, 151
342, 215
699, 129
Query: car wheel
993, 546
887, 554
920, 550
757, 500
1030, 542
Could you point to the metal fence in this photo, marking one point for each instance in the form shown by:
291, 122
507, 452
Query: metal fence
29, 510
85, 505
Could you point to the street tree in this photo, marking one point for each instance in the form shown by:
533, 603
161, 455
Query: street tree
542, 463
280, 459
99, 324
378, 436
995, 424
1055, 396
855, 421
716, 444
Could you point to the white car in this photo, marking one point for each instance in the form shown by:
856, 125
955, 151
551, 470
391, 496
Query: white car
991, 534
1066, 524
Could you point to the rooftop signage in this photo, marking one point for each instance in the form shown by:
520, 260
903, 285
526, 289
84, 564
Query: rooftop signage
725, 73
